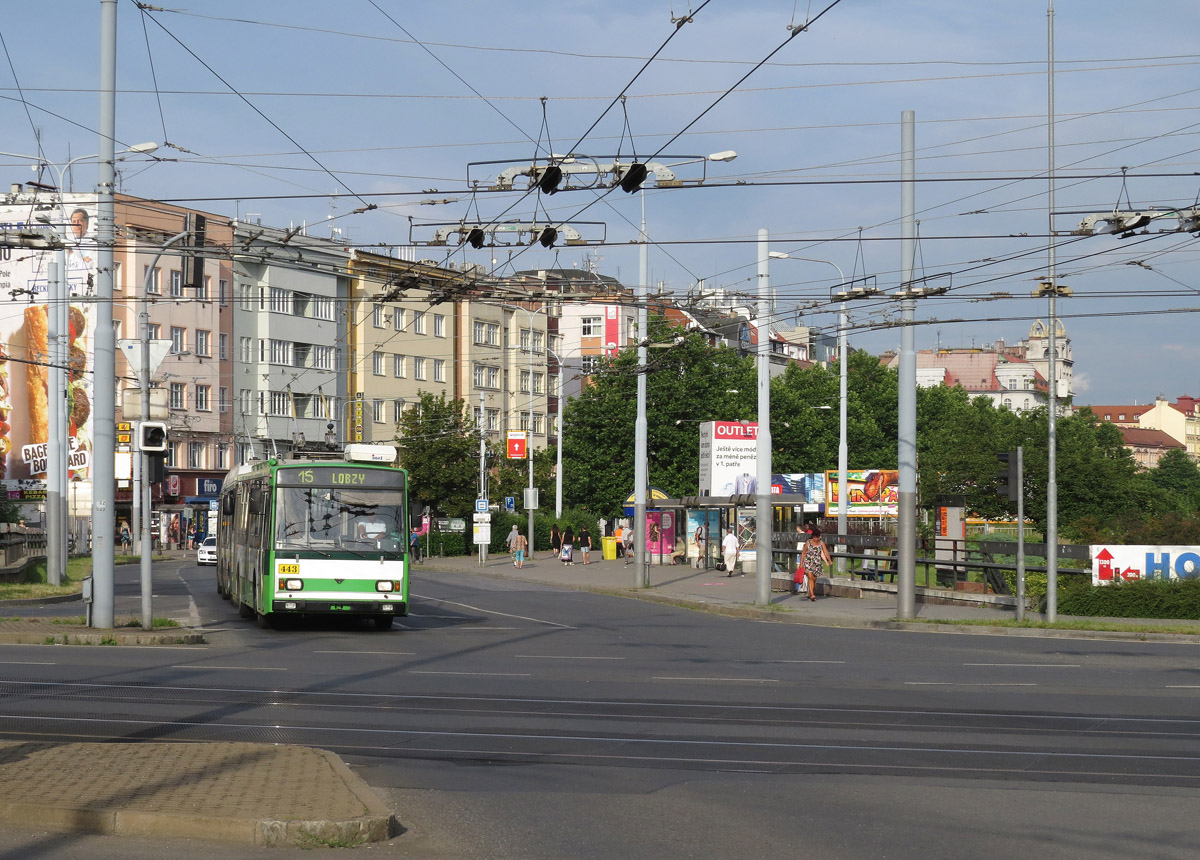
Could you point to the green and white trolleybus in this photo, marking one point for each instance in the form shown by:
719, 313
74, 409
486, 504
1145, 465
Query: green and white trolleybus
325, 534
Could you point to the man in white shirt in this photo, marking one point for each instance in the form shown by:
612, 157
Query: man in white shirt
729, 548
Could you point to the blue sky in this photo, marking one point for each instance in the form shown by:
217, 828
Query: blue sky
387, 102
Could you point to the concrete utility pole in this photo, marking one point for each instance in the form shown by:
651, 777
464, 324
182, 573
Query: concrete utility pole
764, 522
641, 577
907, 425
104, 366
1052, 355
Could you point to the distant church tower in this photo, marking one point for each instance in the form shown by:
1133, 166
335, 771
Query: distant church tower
1037, 349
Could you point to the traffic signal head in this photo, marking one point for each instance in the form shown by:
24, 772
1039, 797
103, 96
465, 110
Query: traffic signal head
152, 436
1008, 478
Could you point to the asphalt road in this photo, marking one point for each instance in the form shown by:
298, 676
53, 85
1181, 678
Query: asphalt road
509, 720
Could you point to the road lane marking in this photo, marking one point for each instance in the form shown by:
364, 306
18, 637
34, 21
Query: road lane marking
959, 684
27, 663
833, 662
1030, 665
384, 653
239, 668
485, 674
738, 680
494, 612
562, 657
1182, 687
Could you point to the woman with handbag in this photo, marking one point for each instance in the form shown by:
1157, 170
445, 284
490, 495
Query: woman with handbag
814, 558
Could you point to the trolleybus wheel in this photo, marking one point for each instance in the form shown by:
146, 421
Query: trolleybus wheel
382, 622
245, 610
265, 622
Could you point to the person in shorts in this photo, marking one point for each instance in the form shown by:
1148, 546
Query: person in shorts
585, 545
519, 546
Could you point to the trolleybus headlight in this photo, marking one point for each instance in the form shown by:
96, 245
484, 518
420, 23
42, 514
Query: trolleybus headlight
291, 585
387, 585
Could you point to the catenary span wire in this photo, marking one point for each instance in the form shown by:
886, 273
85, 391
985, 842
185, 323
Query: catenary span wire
147, 12
24, 104
154, 77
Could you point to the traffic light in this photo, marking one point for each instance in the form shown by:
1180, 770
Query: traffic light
152, 436
193, 261
1008, 478
156, 468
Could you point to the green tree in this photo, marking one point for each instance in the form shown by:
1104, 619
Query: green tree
1178, 474
439, 446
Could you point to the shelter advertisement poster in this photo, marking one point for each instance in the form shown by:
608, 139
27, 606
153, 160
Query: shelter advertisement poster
809, 485
728, 458
24, 336
871, 492
1127, 563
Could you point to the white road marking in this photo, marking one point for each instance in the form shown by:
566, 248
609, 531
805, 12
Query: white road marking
484, 674
833, 662
956, 684
1030, 665
494, 612
562, 657
737, 680
384, 653
1182, 687
240, 668
27, 663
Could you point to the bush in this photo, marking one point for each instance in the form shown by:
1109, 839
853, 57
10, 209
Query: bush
1147, 598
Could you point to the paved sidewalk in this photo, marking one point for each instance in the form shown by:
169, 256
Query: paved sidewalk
259, 794
842, 601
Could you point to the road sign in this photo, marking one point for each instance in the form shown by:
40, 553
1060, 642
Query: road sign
481, 505
481, 518
510, 504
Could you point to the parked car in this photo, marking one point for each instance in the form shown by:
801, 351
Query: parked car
206, 553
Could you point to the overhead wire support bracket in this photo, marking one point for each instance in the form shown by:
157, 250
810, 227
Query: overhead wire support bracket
547, 174
924, 287
493, 235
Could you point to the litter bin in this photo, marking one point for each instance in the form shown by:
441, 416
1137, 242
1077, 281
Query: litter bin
609, 547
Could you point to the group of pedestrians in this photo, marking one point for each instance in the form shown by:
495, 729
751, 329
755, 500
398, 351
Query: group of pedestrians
562, 545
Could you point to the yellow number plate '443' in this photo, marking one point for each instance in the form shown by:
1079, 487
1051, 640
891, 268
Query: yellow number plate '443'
289, 569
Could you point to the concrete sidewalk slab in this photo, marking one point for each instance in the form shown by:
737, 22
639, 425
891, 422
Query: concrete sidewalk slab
258, 794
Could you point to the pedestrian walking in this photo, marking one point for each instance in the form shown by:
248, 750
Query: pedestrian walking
519, 550
568, 547
585, 545
555, 541
816, 556
627, 543
511, 543
729, 549
414, 545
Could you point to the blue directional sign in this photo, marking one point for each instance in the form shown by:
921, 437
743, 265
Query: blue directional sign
510, 504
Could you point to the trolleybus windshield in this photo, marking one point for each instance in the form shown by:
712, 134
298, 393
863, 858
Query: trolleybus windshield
341, 517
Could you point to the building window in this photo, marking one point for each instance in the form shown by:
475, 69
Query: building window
377, 363
398, 319
589, 364
223, 398
206, 288
204, 398
174, 454
247, 401
377, 316
439, 325
480, 332
281, 352
377, 411
154, 285
419, 368
222, 455
493, 334
154, 331
324, 357
223, 346
539, 341
281, 300
322, 308
178, 340
179, 395
204, 343
247, 349
280, 403
538, 422
439, 370
398, 366
195, 455
117, 285
524, 385
539, 383
493, 375
480, 374
176, 284
223, 299
591, 327
493, 419
419, 322
398, 408
524, 340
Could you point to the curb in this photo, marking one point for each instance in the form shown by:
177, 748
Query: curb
1036, 632
100, 637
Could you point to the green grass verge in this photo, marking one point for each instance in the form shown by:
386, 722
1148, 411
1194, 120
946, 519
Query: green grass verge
1182, 627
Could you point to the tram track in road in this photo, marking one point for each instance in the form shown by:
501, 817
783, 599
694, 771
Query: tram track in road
626, 733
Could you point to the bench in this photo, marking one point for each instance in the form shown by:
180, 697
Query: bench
882, 563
